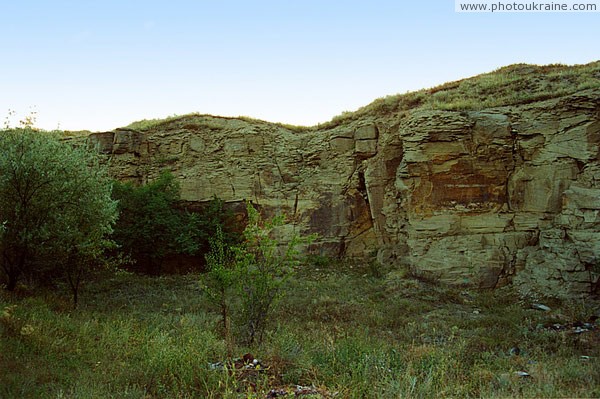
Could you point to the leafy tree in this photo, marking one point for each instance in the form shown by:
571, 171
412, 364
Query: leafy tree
220, 280
250, 276
212, 220
55, 207
153, 223
150, 227
264, 264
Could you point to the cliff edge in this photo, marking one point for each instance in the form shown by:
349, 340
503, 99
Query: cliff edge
486, 181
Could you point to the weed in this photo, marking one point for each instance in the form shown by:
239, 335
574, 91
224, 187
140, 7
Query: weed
337, 330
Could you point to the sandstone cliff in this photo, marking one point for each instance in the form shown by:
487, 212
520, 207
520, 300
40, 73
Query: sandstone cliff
484, 182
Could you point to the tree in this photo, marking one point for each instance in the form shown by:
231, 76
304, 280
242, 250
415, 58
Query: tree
55, 207
150, 227
252, 274
220, 280
147, 223
265, 263
153, 223
213, 219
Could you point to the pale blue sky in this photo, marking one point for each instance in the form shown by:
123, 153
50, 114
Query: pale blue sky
99, 65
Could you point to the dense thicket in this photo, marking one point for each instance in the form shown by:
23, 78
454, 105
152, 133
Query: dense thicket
153, 224
56, 209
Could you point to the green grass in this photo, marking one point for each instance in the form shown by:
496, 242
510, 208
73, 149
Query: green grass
196, 121
511, 85
349, 329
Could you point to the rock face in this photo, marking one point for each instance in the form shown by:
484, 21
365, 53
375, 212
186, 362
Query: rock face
484, 198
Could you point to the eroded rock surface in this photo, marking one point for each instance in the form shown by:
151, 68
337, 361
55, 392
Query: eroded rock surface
484, 198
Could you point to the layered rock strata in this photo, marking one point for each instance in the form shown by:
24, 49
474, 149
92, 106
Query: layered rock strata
482, 198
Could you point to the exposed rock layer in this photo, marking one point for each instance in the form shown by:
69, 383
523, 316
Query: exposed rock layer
507, 194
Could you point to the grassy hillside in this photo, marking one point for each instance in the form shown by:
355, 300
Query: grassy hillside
343, 332
511, 85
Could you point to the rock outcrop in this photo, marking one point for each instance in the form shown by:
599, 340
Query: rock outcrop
507, 194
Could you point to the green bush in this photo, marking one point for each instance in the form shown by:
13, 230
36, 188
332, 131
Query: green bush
149, 226
154, 225
250, 276
55, 208
265, 263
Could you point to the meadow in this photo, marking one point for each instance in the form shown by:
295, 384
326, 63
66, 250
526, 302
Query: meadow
342, 330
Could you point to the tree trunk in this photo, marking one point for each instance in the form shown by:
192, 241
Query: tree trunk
12, 282
74, 283
74, 272
12, 272
75, 297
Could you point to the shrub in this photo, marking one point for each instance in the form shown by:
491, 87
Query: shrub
250, 276
55, 207
265, 263
220, 280
153, 224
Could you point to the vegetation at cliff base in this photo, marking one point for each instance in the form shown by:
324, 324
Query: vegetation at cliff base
341, 331
55, 209
153, 225
246, 281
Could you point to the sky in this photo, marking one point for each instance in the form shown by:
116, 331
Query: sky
99, 65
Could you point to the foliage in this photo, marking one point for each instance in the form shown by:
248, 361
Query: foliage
150, 227
363, 337
246, 280
265, 263
220, 281
153, 224
204, 225
55, 207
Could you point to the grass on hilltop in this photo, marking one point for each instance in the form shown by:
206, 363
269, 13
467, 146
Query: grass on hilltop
195, 120
350, 331
511, 85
